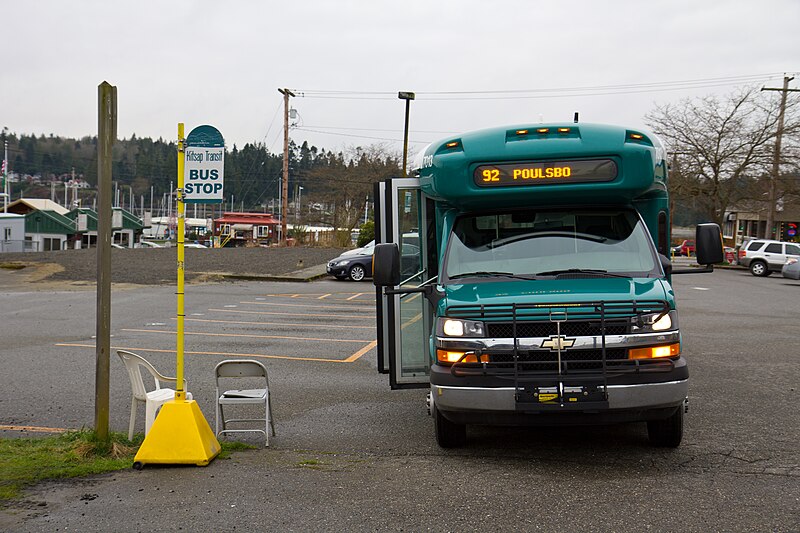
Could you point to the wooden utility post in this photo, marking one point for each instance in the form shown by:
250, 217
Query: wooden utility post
776, 159
285, 185
106, 135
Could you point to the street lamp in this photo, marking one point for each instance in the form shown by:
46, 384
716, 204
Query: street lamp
407, 96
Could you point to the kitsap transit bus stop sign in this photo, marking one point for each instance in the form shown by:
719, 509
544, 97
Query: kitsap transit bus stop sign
204, 166
180, 433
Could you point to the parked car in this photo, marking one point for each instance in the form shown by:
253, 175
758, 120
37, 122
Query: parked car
685, 248
194, 245
353, 264
791, 269
148, 244
357, 264
764, 256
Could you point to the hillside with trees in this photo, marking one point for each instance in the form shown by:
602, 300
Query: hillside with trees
335, 186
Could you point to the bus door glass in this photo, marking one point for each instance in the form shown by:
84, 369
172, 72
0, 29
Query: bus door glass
407, 318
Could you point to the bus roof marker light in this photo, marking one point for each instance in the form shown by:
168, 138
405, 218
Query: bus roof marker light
564, 130
543, 130
451, 144
641, 138
521, 132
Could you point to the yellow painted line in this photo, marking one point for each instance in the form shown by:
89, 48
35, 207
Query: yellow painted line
339, 326
287, 314
369, 307
223, 354
361, 352
323, 296
353, 297
34, 429
246, 335
414, 319
335, 296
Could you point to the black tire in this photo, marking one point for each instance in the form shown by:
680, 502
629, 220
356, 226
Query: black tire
356, 272
448, 434
138, 465
759, 268
667, 433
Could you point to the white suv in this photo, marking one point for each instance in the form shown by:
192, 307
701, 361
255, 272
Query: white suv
763, 257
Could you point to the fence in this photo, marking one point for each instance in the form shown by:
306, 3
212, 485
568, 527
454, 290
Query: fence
18, 246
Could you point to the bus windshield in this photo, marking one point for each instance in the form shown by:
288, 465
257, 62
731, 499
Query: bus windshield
548, 242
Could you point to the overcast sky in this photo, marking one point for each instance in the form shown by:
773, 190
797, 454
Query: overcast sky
221, 63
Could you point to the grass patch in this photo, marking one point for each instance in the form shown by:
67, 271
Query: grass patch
25, 462
229, 447
313, 464
12, 266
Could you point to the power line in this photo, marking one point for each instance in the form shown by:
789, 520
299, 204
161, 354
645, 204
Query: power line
355, 136
592, 90
348, 128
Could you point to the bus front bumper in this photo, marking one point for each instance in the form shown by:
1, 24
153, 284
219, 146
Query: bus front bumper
499, 405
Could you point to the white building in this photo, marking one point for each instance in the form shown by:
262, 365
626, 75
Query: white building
12, 232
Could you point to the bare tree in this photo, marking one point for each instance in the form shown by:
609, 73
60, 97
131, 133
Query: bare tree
720, 147
346, 181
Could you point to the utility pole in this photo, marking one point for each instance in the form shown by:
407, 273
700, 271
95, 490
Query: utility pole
285, 185
776, 160
5, 176
106, 135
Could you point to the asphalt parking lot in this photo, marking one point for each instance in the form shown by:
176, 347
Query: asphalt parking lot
352, 455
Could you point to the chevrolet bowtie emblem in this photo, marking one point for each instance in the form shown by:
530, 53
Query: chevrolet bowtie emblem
557, 343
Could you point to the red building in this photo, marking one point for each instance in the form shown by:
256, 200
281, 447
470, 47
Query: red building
246, 229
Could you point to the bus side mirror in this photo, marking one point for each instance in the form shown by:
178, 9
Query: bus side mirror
386, 265
708, 240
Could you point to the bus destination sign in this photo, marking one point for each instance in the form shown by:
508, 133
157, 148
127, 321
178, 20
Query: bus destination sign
545, 173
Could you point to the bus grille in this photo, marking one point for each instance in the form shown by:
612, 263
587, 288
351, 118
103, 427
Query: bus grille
545, 329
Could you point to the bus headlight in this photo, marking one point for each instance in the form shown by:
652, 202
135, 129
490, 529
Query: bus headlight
454, 327
661, 323
658, 322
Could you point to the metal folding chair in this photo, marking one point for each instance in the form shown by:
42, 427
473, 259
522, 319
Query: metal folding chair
239, 369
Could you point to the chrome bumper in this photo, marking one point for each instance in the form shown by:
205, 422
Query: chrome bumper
620, 397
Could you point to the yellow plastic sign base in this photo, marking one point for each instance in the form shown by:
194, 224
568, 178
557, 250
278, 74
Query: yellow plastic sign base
179, 435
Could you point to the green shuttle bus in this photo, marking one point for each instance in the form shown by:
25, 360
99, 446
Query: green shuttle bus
524, 277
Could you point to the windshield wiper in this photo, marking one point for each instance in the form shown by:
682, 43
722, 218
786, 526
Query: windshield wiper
490, 274
591, 271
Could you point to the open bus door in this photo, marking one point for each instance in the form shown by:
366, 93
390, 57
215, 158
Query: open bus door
402, 216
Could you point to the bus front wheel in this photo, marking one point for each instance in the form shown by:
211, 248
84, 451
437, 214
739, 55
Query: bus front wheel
448, 434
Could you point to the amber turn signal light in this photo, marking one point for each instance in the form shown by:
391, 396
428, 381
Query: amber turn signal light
655, 352
452, 356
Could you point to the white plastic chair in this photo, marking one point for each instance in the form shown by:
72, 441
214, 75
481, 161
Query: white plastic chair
153, 399
243, 368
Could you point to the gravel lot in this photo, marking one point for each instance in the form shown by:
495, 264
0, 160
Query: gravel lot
155, 266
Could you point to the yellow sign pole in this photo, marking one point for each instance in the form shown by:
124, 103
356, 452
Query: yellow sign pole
180, 433
180, 394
